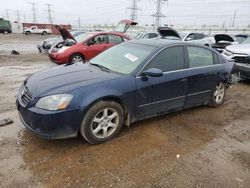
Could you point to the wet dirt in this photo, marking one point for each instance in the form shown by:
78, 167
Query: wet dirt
199, 147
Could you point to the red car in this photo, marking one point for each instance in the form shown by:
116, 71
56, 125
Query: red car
86, 46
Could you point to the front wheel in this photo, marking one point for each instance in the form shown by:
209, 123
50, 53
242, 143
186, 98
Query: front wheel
102, 122
218, 95
76, 58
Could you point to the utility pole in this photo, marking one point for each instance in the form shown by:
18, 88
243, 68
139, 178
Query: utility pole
158, 15
49, 10
234, 18
134, 8
24, 18
33, 6
18, 19
7, 14
79, 23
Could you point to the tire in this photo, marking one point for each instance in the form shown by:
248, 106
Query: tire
218, 95
44, 33
102, 122
27, 33
6, 32
75, 58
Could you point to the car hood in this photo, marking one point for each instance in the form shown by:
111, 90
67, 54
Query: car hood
168, 32
124, 25
239, 48
64, 33
223, 37
66, 78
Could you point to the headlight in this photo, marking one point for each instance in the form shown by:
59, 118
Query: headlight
62, 49
54, 102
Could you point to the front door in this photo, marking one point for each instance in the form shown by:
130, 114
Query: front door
97, 45
166, 93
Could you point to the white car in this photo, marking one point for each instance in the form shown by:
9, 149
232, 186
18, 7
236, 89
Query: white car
198, 38
36, 30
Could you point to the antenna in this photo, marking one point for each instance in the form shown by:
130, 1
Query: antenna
49, 10
33, 5
134, 8
158, 15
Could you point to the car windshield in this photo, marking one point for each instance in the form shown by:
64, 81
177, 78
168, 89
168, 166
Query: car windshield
76, 33
83, 37
247, 41
123, 58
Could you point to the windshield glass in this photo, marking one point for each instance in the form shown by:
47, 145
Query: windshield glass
123, 58
247, 41
83, 37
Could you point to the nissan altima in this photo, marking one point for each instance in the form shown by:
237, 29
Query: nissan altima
129, 82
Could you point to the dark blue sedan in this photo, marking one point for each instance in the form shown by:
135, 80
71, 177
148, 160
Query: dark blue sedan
129, 82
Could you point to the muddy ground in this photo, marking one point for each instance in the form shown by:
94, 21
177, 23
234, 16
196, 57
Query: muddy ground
199, 147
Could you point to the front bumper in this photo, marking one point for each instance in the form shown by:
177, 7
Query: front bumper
51, 124
41, 49
244, 70
57, 58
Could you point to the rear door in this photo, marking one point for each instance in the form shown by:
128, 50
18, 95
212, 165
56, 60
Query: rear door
99, 43
166, 93
203, 74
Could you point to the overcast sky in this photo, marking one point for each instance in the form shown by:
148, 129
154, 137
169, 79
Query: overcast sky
178, 12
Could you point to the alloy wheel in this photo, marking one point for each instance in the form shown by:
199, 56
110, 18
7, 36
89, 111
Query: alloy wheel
104, 123
219, 93
77, 59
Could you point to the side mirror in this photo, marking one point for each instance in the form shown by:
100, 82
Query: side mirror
152, 72
188, 39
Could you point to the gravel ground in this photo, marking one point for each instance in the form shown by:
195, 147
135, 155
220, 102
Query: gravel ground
199, 147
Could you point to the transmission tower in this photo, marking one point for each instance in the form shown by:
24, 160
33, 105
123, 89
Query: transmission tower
33, 6
158, 15
49, 10
134, 8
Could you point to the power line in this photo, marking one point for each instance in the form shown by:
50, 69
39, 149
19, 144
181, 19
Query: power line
134, 8
33, 8
49, 10
158, 14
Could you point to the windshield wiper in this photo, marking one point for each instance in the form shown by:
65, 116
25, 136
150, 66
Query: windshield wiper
101, 67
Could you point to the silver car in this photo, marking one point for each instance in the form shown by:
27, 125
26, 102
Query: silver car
240, 53
198, 38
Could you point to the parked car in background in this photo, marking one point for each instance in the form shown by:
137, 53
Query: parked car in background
86, 46
198, 38
5, 26
240, 53
129, 82
35, 30
221, 41
144, 35
48, 43
241, 37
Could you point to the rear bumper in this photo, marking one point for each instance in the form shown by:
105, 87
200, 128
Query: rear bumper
51, 124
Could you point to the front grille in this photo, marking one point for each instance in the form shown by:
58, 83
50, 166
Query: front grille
24, 96
240, 59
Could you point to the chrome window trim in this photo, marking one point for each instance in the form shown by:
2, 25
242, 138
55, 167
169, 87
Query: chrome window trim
165, 100
214, 65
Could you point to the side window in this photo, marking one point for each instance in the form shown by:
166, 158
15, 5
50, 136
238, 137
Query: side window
115, 39
153, 35
199, 36
169, 59
146, 36
99, 39
190, 37
199, 57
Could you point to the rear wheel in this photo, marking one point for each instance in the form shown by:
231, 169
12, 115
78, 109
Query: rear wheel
5, 32
76, 58
102, 122
218, 95
27, 33
44, 33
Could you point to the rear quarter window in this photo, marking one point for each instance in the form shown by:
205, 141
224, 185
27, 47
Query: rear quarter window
199, 57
